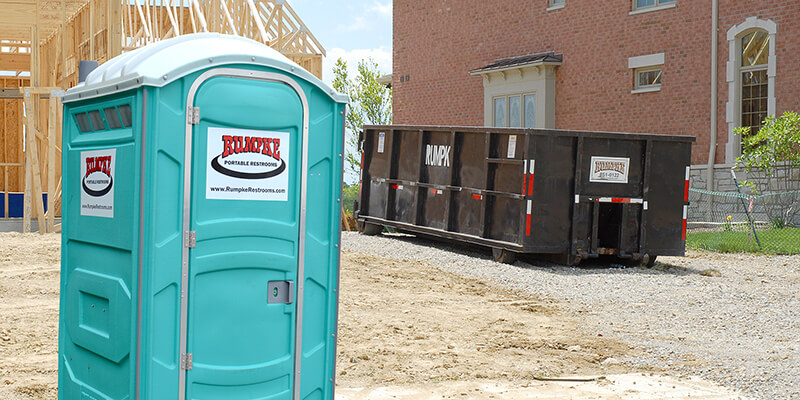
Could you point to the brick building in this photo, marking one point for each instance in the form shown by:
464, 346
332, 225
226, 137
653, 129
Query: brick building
620, 65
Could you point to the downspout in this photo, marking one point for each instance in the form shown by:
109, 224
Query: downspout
712, 149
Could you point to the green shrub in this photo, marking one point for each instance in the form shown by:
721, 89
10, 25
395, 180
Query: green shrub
349, 197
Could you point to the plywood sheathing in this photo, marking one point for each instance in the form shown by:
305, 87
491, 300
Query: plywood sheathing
49, 38
11, 121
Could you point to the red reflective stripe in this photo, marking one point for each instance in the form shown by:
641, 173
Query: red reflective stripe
686, 191
620, 200
477, 197
530, 185
524, 182
394, 186
361, 166
433, 191
683, 234
528, 225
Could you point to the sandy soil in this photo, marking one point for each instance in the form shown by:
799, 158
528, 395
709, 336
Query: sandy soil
29, 284
408, 322
405, 327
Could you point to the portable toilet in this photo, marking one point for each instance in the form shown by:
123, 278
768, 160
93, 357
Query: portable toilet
200, 242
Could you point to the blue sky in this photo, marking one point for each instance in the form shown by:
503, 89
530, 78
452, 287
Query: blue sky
353, 30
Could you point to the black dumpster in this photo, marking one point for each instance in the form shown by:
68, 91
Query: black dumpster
572, 194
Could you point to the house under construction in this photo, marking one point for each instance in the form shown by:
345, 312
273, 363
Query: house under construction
41, 46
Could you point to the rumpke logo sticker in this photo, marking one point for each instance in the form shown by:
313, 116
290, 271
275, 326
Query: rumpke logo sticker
247, 165
97, 182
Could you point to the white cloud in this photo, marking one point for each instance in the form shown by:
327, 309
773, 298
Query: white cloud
383, 9
367, 18
357, 23
380, 55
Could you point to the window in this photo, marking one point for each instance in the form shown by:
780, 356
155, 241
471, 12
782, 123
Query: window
652, 5
754, 81
115, 118
530, 110
752, 67
125, 115
648, 78
555, 4
516, 111
500, 112
112, 118
97, 121
83, 122
647, 72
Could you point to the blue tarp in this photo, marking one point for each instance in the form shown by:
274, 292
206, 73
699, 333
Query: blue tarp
15, 204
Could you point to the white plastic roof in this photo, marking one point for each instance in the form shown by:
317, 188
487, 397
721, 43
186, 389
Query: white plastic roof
165, 61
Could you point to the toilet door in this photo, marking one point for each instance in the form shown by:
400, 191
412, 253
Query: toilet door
243, 239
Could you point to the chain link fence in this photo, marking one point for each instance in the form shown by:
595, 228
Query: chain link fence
737, 222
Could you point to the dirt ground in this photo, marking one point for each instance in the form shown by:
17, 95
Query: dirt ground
29, 284
408, 322
403, 324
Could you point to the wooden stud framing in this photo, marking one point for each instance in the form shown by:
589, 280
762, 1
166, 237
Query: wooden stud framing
33, 178
49, 38
51, 162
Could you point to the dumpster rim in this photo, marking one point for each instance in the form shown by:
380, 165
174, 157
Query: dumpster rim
537, 132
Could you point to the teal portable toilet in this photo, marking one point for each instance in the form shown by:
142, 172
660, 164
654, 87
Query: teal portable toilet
200, 242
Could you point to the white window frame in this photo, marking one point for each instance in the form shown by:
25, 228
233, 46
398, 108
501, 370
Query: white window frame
733, 72
659, 5
646, 63
556, 4
521, 97
638, 87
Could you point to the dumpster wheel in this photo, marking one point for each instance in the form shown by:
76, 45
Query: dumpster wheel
504, 256
371, 229
648, 261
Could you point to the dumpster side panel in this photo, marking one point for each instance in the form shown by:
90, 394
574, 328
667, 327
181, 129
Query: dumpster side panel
469, 157
408, 155
467, 212
438, 151
505, 179
504, 218
376, 164
628, 152
404, 206
434, 207
552, 195
663, 220
99, 279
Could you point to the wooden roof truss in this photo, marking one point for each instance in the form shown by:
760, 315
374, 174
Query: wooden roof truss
48, 38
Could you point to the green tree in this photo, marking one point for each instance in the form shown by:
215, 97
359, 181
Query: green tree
776, 145
774, 151
370, 104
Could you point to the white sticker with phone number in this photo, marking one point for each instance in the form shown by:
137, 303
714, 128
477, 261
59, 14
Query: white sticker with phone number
609, 169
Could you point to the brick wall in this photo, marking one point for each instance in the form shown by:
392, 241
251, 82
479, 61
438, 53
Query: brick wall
436, 43
786, 14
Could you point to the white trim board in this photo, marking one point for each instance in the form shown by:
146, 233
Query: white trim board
646, 61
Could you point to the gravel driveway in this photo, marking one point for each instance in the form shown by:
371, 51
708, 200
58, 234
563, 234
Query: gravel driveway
731, 318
